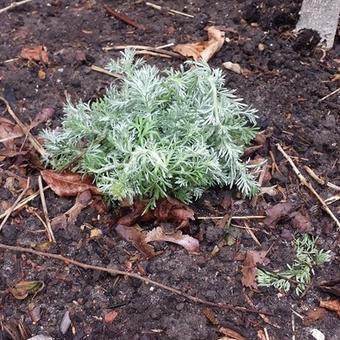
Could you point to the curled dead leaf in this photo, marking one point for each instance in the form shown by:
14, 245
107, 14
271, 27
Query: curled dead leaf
140, 239
24, 288
203, 50
167, 210
249, 267
37, 54
189, 243
68, 184
136, 237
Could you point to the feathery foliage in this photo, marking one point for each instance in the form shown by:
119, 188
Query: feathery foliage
301, 271
158, 133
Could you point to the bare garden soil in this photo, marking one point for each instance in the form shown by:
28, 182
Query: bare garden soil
288, 75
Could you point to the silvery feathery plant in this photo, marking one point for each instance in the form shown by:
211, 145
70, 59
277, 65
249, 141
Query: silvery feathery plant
300, 272
157, 134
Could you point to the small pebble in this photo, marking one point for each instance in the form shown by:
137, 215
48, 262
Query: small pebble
65, 323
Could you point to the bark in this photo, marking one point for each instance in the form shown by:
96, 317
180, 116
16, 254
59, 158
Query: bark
321, 16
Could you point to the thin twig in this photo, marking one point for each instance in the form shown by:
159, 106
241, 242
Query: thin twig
165, 46
13, 5
320, 180
308, 185
12, 208
156, 54
42, 222
250, 232
171, 11
332, 199
251, 228
330, 94
113, 271
143, 47
37, 146
9, 60
108, 73
49, 230
24, 202
274, 164
266, 333
250, 217
123, 17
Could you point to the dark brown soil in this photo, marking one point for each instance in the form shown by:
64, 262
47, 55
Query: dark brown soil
289, 77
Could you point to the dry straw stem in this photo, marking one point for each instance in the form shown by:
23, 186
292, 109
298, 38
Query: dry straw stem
321, 181
8, 212
171, 11
23, 202
154, 54
250, 217
37, 146
308, 185
250, 232
13, 5
108, 73
112, 271
330, 94
145, 48
49, 230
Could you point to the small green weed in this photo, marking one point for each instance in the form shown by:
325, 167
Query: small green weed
300, 272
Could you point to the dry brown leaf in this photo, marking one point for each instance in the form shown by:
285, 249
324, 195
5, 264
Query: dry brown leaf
204, 50
168, 209
230, 334
42, 116
9, 131
23, 288
221, 223
8, 153
37, 54
68, 184
136, 237
189, 243
277, 212
301, 222
313, 315
210, 315
69, 217
249, 267
332, 305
